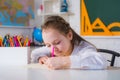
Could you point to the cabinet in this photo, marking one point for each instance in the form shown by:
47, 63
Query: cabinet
14, 56
45, 8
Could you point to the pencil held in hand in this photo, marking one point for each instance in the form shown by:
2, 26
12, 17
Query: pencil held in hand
52, 54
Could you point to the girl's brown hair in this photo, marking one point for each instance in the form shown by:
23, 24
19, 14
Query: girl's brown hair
58, 23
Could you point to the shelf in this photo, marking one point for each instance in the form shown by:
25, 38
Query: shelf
17, 27
51, 7
47, 0
60, 13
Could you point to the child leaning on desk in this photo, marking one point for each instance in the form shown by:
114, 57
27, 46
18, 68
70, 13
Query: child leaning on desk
65, 48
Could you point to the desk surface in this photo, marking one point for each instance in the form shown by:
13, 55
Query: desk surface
35, 73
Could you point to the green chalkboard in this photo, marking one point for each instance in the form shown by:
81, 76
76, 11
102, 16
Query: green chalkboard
107, 10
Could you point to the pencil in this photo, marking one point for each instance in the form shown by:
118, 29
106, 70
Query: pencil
52, 54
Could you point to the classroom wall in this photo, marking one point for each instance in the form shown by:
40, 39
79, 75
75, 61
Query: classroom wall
112, 43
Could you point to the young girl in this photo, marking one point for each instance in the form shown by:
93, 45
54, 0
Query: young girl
70, 50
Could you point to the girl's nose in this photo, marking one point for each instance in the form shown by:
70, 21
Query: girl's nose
55, 48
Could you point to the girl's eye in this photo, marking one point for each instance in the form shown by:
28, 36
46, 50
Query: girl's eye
57, 42
47, 45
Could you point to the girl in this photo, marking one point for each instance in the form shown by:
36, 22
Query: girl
70, 50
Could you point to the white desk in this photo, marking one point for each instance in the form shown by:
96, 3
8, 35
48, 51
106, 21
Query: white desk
27, 73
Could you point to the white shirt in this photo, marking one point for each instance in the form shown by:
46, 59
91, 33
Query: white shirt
83, 56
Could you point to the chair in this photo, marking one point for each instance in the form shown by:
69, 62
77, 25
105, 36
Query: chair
113, 53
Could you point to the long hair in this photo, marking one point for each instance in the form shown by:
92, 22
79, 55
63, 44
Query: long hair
58, 23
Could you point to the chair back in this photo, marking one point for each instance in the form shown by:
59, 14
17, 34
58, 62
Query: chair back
113, 53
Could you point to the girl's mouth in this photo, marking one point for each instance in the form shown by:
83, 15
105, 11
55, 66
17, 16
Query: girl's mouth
58, 53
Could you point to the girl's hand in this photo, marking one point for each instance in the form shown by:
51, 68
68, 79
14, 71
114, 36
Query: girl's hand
42, 60
58, 62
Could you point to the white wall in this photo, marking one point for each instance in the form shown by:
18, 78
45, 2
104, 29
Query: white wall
75, 19
112, 43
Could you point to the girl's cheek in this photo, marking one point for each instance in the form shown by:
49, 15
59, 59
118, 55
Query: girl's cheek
61, 48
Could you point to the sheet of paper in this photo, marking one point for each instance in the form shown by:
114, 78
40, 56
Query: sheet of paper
37, 65
112, 68
42, 66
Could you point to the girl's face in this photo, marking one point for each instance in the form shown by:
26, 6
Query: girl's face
62, 44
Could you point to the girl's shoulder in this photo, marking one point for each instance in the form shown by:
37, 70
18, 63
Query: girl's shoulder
83, 46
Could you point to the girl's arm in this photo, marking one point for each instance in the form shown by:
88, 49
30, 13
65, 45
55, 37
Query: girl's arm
39, 52
58, 62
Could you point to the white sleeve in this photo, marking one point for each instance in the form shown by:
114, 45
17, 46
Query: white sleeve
88, 59
39, 52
